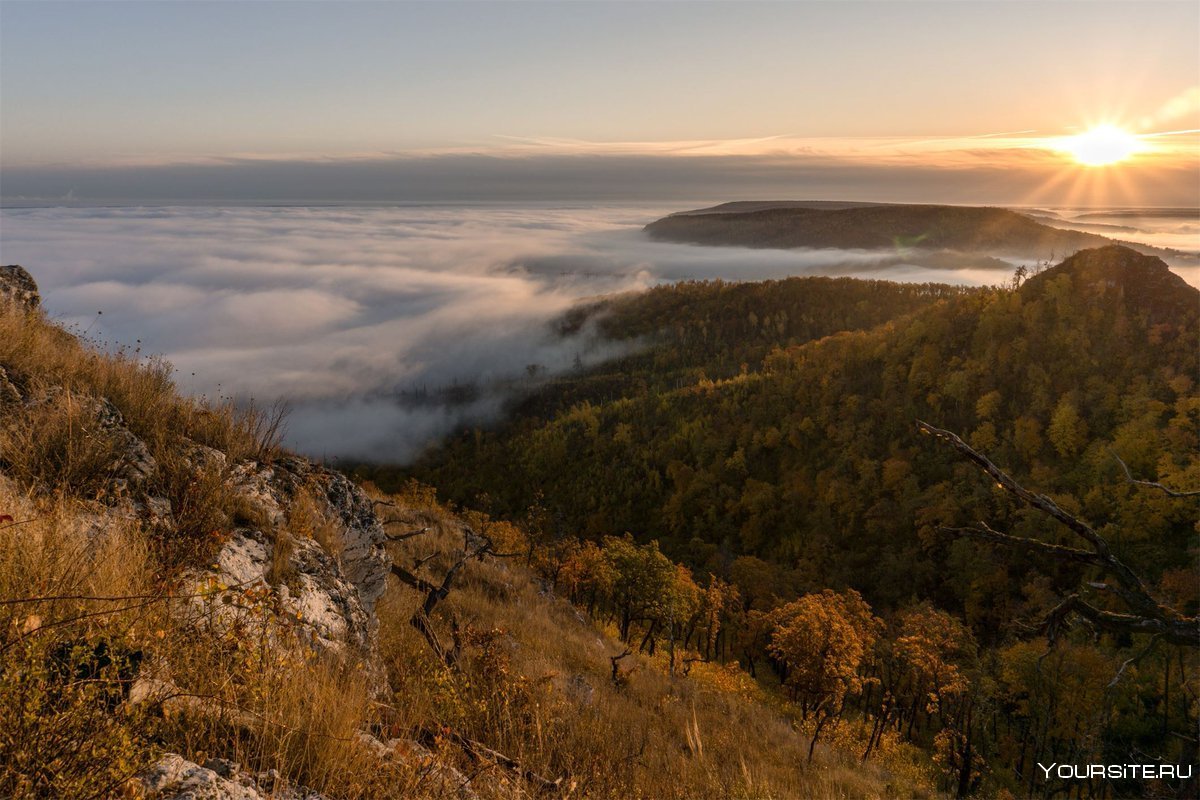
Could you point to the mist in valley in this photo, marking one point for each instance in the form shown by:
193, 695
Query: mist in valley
385, 328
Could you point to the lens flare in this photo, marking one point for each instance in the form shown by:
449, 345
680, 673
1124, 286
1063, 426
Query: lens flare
1101, 146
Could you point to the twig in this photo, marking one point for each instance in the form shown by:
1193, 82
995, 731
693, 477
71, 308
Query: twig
1152, 484
1135, 659
616, 667
400, 537
477, 751
1149, 615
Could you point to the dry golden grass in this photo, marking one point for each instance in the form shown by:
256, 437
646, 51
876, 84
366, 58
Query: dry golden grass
258, 697
54, 443
38, 355
534, 681
75, 575
71, 580
536, 685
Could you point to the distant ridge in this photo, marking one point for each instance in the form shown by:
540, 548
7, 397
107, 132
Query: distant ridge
830, 224
747, 206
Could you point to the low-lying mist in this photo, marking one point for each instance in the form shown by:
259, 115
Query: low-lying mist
383, 327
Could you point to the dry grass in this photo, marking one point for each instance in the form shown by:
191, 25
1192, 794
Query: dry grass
536, 685
534, 681
307, 519
262, 699
76, 575
38, 355
92, 579
53, 441
58, 443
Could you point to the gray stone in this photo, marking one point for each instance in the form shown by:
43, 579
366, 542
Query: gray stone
18, 287
173, 777
325, 590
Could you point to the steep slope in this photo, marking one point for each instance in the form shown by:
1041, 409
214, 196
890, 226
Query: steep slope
187, 611
806, 470
957, 228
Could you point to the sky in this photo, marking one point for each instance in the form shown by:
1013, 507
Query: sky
396, 101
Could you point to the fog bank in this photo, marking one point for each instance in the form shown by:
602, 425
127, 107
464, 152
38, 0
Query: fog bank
358, 316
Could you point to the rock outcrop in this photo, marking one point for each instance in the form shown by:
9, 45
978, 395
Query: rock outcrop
355, 534
173, 777
299, 552
17, 286
315, 541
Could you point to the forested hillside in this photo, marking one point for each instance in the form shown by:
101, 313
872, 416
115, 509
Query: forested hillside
783, 468
957, 228
189, 612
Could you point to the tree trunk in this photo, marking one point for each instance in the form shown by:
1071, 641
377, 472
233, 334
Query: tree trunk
821, 720
649, 637
964, 775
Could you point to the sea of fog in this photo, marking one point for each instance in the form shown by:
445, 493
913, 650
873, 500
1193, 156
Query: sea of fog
342, 310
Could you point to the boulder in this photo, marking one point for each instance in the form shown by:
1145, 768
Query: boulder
357, 540
18, 287
311, 537
173, 777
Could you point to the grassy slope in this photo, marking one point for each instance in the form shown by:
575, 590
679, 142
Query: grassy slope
539, 687
536, 682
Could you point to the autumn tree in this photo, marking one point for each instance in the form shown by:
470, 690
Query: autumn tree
642, 579
822, 640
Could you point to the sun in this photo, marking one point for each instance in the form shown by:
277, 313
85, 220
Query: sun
1101, 146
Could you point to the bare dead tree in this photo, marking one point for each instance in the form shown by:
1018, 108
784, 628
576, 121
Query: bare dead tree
1152, 484
1146, 615
436, 592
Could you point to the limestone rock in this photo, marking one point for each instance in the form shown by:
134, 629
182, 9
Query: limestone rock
357, 537
135, 466
441, 780
173, 777
176, 778
323, 605
18, 287
311, 536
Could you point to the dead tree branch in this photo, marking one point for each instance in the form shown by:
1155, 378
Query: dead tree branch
400, 537
1148, 615
477, 751
1152, 484
617, 675
435, 593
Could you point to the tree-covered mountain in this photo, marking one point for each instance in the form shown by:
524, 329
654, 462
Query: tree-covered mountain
188, 611
875, 227
785, 463
734, 429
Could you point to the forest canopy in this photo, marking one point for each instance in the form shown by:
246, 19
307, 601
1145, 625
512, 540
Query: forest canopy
765, 438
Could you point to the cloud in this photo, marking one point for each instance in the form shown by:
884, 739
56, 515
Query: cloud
359, 315
1006, 171
1183, 106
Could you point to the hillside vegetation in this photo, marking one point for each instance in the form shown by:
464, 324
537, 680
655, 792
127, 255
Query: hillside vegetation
878, 227
803, 471
187, 611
